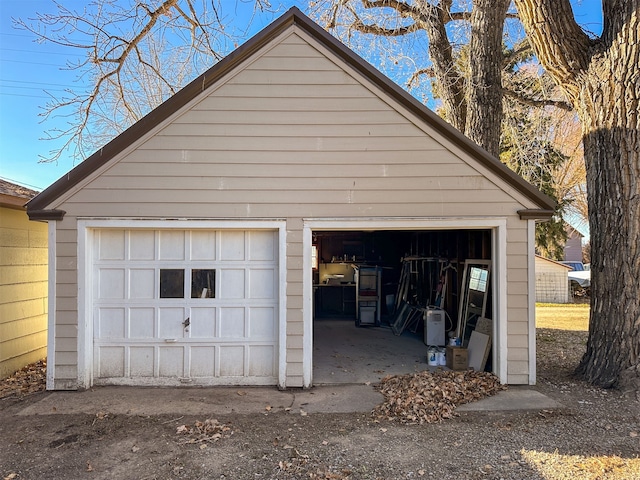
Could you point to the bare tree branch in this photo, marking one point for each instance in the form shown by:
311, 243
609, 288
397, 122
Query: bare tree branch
535, 103
118, 48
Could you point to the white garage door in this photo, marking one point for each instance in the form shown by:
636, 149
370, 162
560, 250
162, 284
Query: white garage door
194, 306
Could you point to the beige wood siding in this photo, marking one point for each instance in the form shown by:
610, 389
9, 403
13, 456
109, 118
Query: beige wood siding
66, 342
293, 134
517, 302
23, 290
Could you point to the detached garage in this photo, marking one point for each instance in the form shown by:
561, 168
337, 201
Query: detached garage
290, 182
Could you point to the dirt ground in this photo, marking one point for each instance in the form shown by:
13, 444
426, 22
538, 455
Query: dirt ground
596, 435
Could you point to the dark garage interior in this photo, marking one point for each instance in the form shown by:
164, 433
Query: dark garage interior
385, 301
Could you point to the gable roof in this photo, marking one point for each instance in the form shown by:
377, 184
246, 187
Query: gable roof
553, 262
36, 208
572, 231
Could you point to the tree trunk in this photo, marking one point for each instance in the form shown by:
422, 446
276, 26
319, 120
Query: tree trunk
614, 216
484, 116
452, 88
601, 79
609, 115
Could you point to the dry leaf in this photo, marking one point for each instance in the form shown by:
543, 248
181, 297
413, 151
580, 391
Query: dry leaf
11, 476
135, 449
89, 467
208, 431
241, 393
26, 381
182, 429
268, 408
324, 442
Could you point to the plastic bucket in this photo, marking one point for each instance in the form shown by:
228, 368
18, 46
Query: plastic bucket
442, 357
432, 357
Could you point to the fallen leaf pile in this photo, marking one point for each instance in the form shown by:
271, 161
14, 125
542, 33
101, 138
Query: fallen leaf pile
430, 397
208, 431
28, 380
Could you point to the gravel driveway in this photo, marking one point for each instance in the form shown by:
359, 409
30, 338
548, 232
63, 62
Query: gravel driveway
594, 435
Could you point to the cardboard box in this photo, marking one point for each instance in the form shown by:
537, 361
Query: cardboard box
457, 358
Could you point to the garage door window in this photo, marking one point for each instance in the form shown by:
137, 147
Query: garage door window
203, 283
171, 283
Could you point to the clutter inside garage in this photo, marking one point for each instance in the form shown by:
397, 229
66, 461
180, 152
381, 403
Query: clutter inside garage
431, 286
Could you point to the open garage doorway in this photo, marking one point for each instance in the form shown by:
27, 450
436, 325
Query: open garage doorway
380, 298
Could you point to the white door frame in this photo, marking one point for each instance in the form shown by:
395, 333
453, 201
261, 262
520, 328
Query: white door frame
86, 228
498, 227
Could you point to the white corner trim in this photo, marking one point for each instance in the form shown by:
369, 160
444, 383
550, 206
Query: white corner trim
51, 305
85, 303
500, 354
531, 267
307, 309
282, 305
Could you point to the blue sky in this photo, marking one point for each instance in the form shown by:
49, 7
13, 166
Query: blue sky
27, 69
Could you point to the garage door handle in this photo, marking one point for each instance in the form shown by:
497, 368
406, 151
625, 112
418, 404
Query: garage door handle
186, 323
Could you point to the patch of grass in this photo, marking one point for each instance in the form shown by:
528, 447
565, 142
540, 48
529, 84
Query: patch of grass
556, 465
569, 316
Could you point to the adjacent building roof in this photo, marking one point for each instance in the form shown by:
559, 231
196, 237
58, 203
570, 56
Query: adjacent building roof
13, 195
38, 207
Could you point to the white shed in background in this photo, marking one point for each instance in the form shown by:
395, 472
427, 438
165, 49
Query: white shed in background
552, 282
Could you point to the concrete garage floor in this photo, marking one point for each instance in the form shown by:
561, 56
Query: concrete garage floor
344, 353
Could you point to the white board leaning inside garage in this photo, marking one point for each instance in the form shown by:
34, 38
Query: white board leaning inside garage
183, 250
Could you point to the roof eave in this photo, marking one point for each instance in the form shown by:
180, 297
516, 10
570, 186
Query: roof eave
46, 215
536, 214
10, 201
